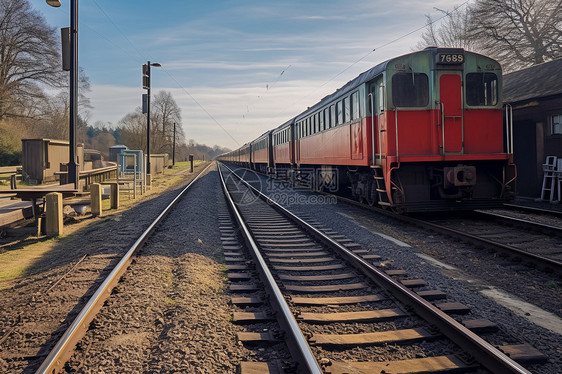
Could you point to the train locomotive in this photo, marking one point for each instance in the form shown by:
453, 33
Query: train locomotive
420, 132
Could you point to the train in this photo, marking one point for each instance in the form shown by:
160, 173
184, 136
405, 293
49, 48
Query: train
426, 131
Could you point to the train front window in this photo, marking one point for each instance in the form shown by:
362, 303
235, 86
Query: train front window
410, 90
481, 89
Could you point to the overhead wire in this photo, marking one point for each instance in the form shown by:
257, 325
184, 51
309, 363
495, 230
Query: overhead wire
168, 73
268, 87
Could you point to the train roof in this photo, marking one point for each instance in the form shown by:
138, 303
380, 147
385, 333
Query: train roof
371, 74
349, 86
288, 123
265, 134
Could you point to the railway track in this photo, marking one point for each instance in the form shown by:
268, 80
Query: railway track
538, 245
57, 357
524, 240
339, 308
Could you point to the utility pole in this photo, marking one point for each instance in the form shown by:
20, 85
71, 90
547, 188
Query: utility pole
146, 86
174, 147
73, 175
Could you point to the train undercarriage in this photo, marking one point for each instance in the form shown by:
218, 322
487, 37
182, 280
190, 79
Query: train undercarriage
412, 187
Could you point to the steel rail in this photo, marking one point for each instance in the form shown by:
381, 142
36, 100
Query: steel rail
62, 351
544, 262
541, 261
485, 353
529, 225
300, 350
551, 212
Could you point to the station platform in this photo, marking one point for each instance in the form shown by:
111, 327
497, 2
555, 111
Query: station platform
26, 202
14, 210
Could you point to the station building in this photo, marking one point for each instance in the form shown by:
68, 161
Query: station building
535, 94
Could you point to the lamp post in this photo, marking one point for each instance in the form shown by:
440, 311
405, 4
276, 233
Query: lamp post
72, 165
146, 86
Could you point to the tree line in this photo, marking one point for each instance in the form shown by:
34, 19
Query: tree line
517, 33
34, 97
34, 100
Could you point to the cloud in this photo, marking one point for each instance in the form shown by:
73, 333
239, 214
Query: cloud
226, 56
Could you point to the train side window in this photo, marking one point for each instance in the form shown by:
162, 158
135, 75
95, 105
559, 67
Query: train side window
339, 109
347, 110
321, 119
481, 89
316, 128
332, 116
354, 105
410, 90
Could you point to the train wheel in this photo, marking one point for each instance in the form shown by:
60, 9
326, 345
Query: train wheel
398, 200
316, 182
371, 193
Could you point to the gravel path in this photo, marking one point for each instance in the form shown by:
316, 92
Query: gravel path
37, 309
171, 312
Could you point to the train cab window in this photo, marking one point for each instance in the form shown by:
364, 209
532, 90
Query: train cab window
354, 105
410, 90
481, 89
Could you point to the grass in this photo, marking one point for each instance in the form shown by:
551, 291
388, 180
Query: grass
14, 263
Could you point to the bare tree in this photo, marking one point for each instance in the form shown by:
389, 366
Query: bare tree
453, 31
29, 56
519, 33
164, 113
133, 130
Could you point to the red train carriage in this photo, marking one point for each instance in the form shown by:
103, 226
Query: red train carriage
283, 151
244, 155
418, 132
261, 154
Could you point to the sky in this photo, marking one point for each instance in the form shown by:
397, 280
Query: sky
236, 68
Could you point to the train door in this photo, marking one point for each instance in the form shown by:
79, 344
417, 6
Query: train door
452, 137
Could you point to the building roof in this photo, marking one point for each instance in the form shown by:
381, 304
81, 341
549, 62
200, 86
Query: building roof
533, 82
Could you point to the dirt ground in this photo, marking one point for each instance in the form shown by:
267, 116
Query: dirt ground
44, 282
21, 248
